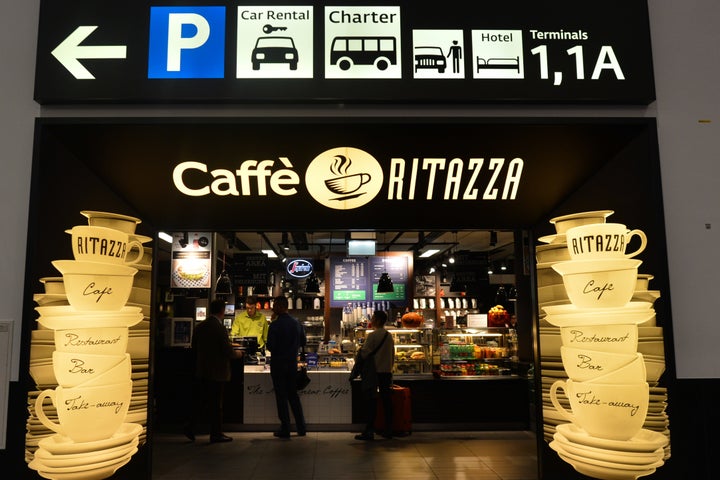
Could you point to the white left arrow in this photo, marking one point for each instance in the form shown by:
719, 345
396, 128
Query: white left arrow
70, 51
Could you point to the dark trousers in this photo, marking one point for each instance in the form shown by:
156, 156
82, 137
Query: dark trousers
284, 378
207, 396
385, 387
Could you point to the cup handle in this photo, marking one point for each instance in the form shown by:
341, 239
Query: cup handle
55, 427
134, 245
643, 242
553, 398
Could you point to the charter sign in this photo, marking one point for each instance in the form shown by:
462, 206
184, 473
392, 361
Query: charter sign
345, 178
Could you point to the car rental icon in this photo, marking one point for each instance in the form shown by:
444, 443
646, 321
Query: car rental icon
274, 50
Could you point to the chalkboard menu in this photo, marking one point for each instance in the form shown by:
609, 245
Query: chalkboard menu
355, 279
250, 270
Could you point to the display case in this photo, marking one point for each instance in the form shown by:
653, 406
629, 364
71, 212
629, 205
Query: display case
413, 349
471, 352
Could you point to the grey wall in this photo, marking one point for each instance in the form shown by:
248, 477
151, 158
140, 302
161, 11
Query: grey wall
685, 42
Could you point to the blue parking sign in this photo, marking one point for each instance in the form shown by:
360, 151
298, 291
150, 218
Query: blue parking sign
187, 42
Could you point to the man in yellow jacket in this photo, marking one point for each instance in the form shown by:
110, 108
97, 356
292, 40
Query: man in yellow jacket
251, 323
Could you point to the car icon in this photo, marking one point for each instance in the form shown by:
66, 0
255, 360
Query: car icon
430, 57
274, 50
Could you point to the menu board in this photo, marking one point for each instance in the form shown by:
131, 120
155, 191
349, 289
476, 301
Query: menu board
397, 268
349, 282
355, 279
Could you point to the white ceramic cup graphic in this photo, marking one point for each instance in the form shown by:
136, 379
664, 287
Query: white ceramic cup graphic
584, 365
96, 286
105, 245
107, 341
615, 412
87, 414
599, 283
72, 368
621, 338
630, 374
602, 241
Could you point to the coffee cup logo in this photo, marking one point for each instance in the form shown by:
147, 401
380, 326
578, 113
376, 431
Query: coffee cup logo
344, 178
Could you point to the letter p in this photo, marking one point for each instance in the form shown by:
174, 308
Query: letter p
187, 42
177, 43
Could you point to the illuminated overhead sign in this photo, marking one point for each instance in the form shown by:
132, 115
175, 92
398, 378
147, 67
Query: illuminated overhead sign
368, 51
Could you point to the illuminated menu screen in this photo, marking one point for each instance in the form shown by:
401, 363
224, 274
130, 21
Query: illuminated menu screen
355, 279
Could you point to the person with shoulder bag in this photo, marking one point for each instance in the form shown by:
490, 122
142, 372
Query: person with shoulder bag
285, 338
374, 365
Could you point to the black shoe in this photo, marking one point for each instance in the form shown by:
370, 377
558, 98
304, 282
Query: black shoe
189, 434
281, 434
368, 437
301, 433
220, 439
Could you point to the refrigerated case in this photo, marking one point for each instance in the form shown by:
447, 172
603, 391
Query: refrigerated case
471, 352
413, 349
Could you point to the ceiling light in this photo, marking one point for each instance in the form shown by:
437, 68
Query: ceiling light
451, 259
270, 253
429, 252
165, 236
503, 267
490, 271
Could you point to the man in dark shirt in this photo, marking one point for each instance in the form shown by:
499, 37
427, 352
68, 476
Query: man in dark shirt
213, 351
285, 337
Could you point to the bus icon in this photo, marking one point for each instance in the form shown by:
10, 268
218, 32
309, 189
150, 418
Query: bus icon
378, 51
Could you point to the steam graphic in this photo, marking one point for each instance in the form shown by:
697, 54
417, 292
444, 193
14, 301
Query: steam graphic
344, 184
340, 165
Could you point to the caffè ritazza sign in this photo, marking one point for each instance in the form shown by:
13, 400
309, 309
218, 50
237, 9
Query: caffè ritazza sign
345, 178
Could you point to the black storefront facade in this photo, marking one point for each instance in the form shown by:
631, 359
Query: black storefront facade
619, 171
449, 173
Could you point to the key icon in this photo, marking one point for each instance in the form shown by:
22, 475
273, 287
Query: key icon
269, 28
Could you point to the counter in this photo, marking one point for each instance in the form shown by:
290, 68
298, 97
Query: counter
326, 400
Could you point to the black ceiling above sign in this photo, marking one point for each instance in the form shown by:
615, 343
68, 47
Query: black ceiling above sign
406, 51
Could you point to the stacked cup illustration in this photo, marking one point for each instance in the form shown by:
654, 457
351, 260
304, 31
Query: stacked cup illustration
606, 395
88, 408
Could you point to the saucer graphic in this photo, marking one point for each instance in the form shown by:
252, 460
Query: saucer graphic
344, 178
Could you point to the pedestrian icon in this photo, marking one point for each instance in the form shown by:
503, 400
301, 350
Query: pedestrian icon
456, 53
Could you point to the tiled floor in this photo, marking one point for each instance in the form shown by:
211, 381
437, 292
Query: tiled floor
337, 455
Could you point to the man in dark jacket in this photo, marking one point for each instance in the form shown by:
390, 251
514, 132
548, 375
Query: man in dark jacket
285, 337
213, 352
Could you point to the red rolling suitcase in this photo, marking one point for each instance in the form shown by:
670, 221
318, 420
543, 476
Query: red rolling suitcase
402, 415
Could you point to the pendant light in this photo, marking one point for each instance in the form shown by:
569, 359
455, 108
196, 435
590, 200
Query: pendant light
224, 285
456, 286
312, 284
262, 288
385, 284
